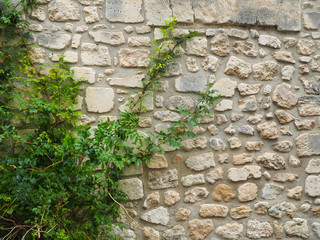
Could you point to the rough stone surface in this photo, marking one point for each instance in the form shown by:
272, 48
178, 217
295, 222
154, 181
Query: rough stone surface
176, 232
211, 63
195, 194
214, 175
283, 97
248, 89
199, 229
201, 162
245, 47
271, 191
134, 57
298, 227
268, 130
242, 211
269, 41
242, 158
133, 187
261, 208
248, 104
305, 47
197, 46
220, 45
195, 83
225, 86
231, 231
265, 71
258, 230
63, 10
282, 146
198, 143
309, 106
158, 161
287, 73
307, 144
271, 160
242, 174
56, 41
213, 210
159, 215
283, 56
162, 180
107, 37
247, 192
124, 11
283, 116
132, 81
99, 99
223, 193
190, 180
238, 67
95, 55
295, 193
157, 11
182, 214
152, 200
179, 101
171, 197
281, 209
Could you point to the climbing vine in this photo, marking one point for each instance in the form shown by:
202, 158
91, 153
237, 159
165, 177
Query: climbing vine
58, 179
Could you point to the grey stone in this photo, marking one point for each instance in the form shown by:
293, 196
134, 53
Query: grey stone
298, 227
201, 162
196, 194
159, 215
63, 10
313, 166
246, 130
271, 161
179, 101
230, 231
195, 83
108, 37
133, 187
163, 180
308, 144
134, 57
217, 144
174, 233
304, 124
289, 42
316, 229
282, 146
124, 11
271, 191
269, 41
310, 87
54, 41
309, 106
157, 11
126, 234
258, 230
190, 180
311, 20
280, 209
173, 69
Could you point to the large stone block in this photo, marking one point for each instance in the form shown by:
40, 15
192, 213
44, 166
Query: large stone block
95, 55
157, 11
126, 11
133, 187
196, 83
163, 180
183, 11
308, 144
99, 99
54, 41
134, 57
88, 74
108, 37
63, 10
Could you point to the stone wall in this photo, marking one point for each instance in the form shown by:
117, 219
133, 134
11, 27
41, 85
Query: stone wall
253, 171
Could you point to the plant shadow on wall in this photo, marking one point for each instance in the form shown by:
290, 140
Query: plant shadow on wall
58, 179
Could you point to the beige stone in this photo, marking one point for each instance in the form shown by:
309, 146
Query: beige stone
283, 116
248, 104
124, 11
295, 193
211, 63
248, 89
139, 42
197, 46
133, 187
192, 65
158, 215
107, 37
150, 233
182, 214
99, 99
38, 13
131, 81
282, 146
258, 230
283, 56
200, 228
220, 45
304, 124
231, 231
196, 194
191, 180
238, 67
182, 10
234, 142
242, 211
245, 47
268, 130
95, 55
305, 47
225, 87
307, 144
242, 158
223, 193
158, 161
269, 41
247, 192
261, 208
191, 144
213, 210
265, 71
271, 161
91, 14
134, 57
152, 200
214, 175
63, 10
242, 174
283, 97
171, 197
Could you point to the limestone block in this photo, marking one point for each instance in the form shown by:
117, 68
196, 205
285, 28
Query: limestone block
190, 180
245, 47
225, 87
196, 83
281, 209
258, 230
271, 161
201, 162
309, 106
126, 11
297, 227
182, 10
159, 215
265, 71
248, 104
200, 228
134, 57
213, 210
214, 175
108, 37
131, 81
197, 46
307, 144
269, 41
306, 47
139, 42
171, 197
99, 99
238, 67
268, 130
231, 231
55, 41
283, 56
195, 194
88, 74
271, 191
38, 13
176, 232
152, 200
220, 45
211, 63
163, 180
182, 214
158, 161
133, 187
247, 192
242, 174
91, 14
313, 166
311, 20
95, 55
242, 211
63, 11
157, 11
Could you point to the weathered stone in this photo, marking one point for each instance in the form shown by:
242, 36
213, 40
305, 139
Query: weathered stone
159, 215
224, 105
220, 45
167, 116
289, 42
195, 83
134, 57
248, 104
247, 192
76, 39
225, 87
245, 47
308, 144
182, 214
182, 10
152, 200
283, 97
91, 14
156, 12
179, 101
108, 37
173, 69
283, 146
236, 117
143, 29
132, 169
242, 158
139, 42
163, 180
238, 67
133, 187
269, 41
258, 230
124, 233
304, 124
158, 161
146, 102
268, 130
295, 193
132, 81
248, 89
190, 180
171, 197
246, 130
285, 177
254, 145
271, 161
231, 231
305, 47
313, 166
309, 106
150, 233
213, 210
283, 56
311, 20
196, 194
197, 46
281, 209
236, 33
242, 211
265, 71
271, 191
56, 41
285, 130
176, 232
316, 229
287, 73
214, 175
211, 63
201, 162
95, 55
261, 208
221, 119
190, 144
38, 13
298, 227
242, 174
63, 10
82, 29
283, 116
223, 193
217, 144
199, 229
265, 102
192, 65
254, 119
213, 130
230, 130
99, 99
124, 11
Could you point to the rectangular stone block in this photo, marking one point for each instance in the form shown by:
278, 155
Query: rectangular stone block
95, 55
157, 11
126, 11
309, 106
308, 144
99, 99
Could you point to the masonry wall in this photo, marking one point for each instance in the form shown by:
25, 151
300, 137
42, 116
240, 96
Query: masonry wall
253, 171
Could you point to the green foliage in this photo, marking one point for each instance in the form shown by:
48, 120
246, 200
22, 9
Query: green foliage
58, 179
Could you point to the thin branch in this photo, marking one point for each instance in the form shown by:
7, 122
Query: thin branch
34, 170
27, 233
8, 207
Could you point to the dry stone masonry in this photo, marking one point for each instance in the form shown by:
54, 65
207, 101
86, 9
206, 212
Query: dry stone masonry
254, 170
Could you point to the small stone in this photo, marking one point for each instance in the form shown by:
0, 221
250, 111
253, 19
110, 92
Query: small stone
281, 209
199, 229
271, 161
283, 116
134, 57
258, 230
133, 187
248, 89
213, 130
190, 144
242, 174
231, 231
305, 47
182, 214
197, 46
225, 87
171, 197
269, 41
261, 208
190, 180
213, 210
152, 200
223, 158
95, 55
254, 145
287, 73
214, 175
238, 67
297, 227
211, 63
236, 117
159, 215
285, 130
304, 124
303, 69
246, 130
234, 142
245, 47
283, 146
242, 211
283, 97
254, 33
289, 42
283, 56
223, 193
192, 65
265, 103
248, 104
196, 194
247, 192
295, 193
278, 229
163, 180
176, 232
179, 102
221, 119
220, 45
262, 53
271, 191
243, 158
254, 119
82, 29
294, 161
265, 71
313, 166
167, 116
285, 177
158, 161
230, 130
217, 144
268, 130
266, 175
